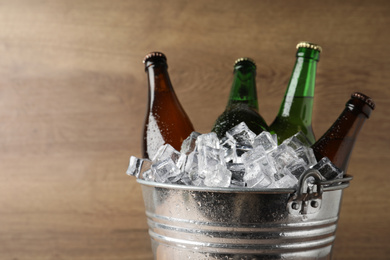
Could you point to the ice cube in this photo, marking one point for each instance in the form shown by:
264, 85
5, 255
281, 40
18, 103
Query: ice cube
296, 168
181, 161
237, 170
242, 134
165, 171
176, 179
328, 170
259, 172
265, 140
282, 156
257, 180
191, 165
148, 175
189, 144
209, 157
268, 166
306, 154
192, 170
184, 180
212, 167
240, 150
286, 180
209, 139
166, 151
218, 176
229, 147
137, 166
252, 155
197, 180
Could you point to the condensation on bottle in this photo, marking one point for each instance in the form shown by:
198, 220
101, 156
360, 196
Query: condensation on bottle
338, 141
166, 122
295, 113
242, 103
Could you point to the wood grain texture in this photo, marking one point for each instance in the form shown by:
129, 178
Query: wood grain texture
72, 103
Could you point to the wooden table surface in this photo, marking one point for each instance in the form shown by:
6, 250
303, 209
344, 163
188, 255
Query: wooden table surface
72, 103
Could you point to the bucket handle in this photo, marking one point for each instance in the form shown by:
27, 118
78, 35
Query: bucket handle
308, 198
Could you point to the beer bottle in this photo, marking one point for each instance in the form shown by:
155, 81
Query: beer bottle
165, 120
338, 141
295, 112
242, 104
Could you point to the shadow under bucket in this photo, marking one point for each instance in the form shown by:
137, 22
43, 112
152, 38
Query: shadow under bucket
187, 222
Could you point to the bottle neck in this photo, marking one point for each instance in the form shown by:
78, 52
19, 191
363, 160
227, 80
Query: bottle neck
348, 124
158, 79
298, 100
243, 90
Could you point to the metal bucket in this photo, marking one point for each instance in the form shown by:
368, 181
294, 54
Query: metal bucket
188, 222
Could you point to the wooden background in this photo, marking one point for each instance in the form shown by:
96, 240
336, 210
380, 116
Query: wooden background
72, 103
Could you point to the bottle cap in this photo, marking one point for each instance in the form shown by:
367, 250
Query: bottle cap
309, 45
364, 98
153, 55
245, 59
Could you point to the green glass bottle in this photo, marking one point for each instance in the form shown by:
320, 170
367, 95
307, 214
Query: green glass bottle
295, 112
242, 105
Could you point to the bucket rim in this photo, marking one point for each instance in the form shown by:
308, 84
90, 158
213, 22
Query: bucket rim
328, 186
214, 189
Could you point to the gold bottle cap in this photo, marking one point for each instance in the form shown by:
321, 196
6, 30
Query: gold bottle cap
244, 59
153, 55
309, 45
364, 98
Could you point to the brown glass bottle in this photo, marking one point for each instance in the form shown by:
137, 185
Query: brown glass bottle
337, 143
165, 120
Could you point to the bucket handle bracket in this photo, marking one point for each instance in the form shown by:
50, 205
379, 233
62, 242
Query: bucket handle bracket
307, 199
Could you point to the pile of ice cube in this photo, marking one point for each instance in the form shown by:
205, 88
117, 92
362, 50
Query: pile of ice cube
240, 159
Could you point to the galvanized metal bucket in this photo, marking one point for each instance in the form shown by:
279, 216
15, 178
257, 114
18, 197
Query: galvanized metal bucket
188, 222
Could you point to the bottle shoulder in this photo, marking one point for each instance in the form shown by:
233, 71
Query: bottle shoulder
234, 116
284, 128
289, 122
166, 108
240, 111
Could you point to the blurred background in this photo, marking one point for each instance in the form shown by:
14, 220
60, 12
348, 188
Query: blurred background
73, 95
